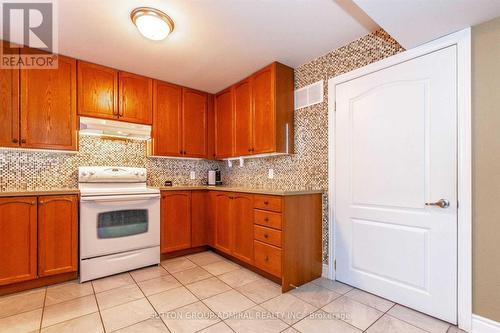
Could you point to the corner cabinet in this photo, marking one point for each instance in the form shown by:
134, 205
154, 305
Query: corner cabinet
38, 239
48, 118
97, 91
180, 126
135, 98
255, 116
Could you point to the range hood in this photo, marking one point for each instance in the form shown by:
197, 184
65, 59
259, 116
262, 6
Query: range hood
112, 128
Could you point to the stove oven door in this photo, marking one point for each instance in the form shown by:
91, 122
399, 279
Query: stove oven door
118, 223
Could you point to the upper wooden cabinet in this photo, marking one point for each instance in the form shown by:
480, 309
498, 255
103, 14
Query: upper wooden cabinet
135, 98
167, 120
57, 234
194, 123
261, 115
175, 221
9, 107
243, 119
97, 91
48, 107
18, 239
224, 124
180, 122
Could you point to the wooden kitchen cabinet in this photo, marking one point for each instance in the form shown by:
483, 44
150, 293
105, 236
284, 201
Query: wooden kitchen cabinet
223, 222
200, 222
272, 100
48, 107
175, 221
97, 91
167, 120
57, 234
18, 239
224, 124
242, 220
261, 119
194, 123
135, 98
9, 107
243, 119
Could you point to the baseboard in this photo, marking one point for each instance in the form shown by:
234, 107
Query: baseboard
484, 325
324, 273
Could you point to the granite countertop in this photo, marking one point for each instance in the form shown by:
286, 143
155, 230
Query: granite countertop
240, 189
27, 193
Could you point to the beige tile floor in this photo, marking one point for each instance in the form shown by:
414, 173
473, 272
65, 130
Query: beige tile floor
205, 293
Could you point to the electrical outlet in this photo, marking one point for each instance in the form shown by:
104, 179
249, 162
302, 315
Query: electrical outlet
270, 174
192, 175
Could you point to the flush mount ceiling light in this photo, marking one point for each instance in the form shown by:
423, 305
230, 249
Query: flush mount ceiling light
152, 23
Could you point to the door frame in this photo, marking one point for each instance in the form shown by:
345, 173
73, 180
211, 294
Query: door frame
462, 39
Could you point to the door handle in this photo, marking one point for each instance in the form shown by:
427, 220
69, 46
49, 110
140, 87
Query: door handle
442, 203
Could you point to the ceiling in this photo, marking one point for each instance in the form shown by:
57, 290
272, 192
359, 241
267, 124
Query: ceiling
215, 42
414, 22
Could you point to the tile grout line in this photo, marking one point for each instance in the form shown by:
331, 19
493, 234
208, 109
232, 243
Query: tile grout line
98, 307
43, 310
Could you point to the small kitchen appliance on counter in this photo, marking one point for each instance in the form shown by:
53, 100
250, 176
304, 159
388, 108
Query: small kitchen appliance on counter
119, 221
214, 178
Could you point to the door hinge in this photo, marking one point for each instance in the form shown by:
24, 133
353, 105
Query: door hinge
335, 264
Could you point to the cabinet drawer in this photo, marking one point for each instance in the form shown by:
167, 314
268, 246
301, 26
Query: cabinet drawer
267, 235
267, 219
267, 258
267, 202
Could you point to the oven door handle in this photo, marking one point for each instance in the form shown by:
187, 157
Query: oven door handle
120, 198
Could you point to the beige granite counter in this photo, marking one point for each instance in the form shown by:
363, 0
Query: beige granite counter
239, 189
34, 193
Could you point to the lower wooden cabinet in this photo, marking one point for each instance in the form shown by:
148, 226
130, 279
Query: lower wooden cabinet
201, 229
18, 243
38, 237
57, 235
242, 220
223, 216
175, 221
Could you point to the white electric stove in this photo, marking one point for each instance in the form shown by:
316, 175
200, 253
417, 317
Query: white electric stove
119, 221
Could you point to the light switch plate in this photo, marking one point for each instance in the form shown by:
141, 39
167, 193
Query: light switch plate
192, 175
270, 174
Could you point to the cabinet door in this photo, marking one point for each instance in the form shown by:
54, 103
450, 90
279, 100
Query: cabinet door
57, 234
167, 124
224, 124
48, 107
264, 137
136, 98
194, 123
200, 228
243, 119
175, 221
223, 217
97, 91
17, 239
242, 220
9, 107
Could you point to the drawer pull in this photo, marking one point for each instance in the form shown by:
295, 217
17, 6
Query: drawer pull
266, 202
266, 258
266, 219
266, 236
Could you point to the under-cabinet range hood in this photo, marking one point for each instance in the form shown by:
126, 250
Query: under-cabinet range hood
112, 128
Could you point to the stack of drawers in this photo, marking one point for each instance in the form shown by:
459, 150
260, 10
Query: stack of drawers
268, 222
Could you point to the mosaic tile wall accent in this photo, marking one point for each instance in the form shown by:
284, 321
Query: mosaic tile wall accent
32, 170
308, 167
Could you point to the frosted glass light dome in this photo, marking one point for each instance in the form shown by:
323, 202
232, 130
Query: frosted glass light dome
152, 23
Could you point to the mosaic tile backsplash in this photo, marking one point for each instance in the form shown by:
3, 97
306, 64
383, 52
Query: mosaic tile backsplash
307, 168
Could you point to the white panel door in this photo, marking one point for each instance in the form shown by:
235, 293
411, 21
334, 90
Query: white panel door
396, 150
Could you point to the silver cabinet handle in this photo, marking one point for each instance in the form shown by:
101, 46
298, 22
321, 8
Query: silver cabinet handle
442, 203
